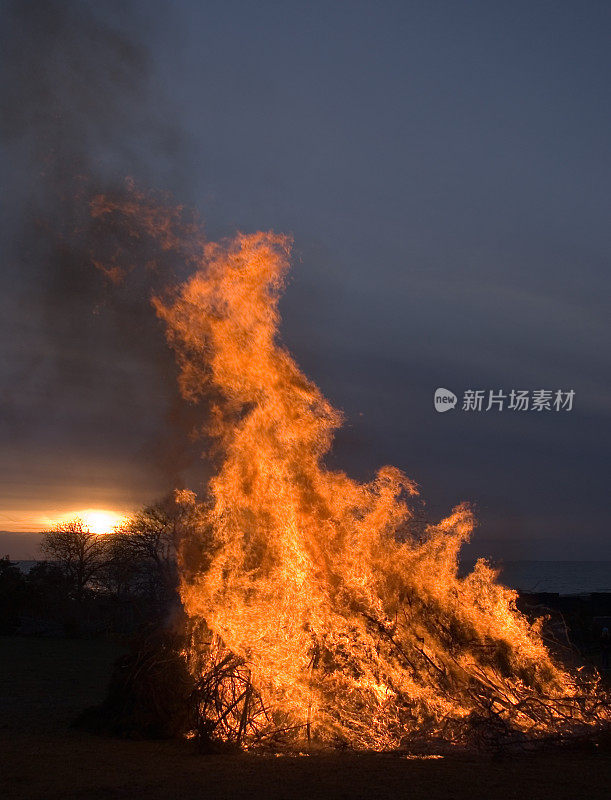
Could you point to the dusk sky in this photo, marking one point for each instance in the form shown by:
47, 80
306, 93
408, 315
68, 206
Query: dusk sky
444, 169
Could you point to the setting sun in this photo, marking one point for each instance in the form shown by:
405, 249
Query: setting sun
97, 520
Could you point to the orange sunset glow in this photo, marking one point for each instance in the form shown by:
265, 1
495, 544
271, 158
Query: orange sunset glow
97, 520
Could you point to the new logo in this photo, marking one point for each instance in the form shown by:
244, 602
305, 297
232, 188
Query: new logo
444, 400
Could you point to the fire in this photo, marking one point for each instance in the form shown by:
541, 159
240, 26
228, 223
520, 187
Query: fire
318, 612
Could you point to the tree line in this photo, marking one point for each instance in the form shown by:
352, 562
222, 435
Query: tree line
91, 584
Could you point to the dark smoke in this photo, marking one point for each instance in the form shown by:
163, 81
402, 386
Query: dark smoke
87, 366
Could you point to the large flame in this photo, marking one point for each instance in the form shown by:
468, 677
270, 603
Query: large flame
317, 611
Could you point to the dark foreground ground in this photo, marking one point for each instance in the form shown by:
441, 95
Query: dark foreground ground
44, 683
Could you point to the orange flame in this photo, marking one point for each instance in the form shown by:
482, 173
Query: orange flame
343, 625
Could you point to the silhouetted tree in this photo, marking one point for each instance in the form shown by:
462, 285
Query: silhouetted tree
157, 535
79, 553
47, 585
121, 573
12, 595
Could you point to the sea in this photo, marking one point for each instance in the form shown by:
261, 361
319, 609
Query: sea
564, 577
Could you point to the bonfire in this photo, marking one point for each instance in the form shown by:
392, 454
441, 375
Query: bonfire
319, 612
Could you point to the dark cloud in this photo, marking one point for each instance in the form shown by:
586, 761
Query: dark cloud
445, 176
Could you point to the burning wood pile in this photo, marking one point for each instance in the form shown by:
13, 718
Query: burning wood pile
316, 614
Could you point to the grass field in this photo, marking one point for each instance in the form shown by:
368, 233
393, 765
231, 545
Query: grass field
44, 683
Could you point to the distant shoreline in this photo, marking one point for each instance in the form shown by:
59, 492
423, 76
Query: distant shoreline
565, 578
